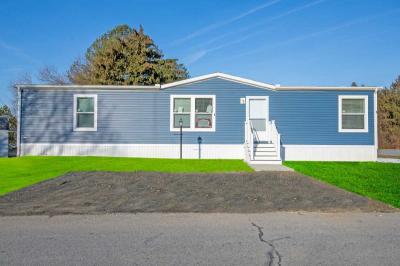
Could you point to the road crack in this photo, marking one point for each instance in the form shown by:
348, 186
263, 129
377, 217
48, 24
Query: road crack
273, 255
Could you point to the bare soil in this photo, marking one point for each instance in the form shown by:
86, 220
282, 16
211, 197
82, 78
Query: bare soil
111, 192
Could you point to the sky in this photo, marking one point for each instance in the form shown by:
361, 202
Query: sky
287, 42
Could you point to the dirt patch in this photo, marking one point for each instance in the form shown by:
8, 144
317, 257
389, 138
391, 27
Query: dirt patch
110, 192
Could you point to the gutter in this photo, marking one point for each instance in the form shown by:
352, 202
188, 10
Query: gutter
92, 87
319, 88
158, 88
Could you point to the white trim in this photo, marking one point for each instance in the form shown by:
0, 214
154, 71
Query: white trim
190, 151
94, 87
366, 110
192, 113
19, 101
376, 120
157, 87
326, 88
76, 96
222, 76
248, 98
329, 153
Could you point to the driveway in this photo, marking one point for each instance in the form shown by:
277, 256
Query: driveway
288, 238
110, 192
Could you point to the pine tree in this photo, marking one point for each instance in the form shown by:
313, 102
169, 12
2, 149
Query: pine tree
125, 56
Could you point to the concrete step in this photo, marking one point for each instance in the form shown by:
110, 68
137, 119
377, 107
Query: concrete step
265, 162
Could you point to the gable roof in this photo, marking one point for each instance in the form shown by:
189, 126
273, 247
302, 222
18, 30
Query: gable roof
197, 79
260, 84
221, 76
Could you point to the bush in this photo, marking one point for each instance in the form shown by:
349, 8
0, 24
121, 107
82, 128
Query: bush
389, 116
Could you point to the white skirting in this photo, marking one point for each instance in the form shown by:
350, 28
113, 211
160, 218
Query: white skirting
329, 153
208, 151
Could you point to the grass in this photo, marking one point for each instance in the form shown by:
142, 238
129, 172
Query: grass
16, 173
379, 181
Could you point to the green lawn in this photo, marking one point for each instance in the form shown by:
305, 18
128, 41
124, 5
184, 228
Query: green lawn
16, 173
380, 181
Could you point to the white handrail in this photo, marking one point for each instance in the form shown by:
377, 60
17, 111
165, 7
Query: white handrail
276, 138
273, 136
250, 138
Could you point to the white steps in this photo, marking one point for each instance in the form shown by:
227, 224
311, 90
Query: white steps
266, 153
262, 152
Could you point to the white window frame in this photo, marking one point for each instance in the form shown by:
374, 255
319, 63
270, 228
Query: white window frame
76, 96
346, 130
192, 127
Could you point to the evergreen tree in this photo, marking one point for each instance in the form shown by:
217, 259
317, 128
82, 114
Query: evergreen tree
125, 56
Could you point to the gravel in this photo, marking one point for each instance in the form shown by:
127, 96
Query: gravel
132, 192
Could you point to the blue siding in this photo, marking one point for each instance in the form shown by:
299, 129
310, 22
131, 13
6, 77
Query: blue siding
3, 143
302, 117
3, 136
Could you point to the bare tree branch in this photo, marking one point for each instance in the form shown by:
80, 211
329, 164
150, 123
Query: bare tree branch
50, 75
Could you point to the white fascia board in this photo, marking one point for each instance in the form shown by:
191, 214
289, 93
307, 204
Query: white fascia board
222, 76
157, 87
321, 88
89, 87
19, 101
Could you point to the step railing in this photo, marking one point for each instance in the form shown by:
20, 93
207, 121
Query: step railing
249, 132
275, 137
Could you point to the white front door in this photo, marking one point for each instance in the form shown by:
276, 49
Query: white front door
257, 112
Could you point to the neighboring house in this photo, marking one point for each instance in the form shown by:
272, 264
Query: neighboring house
234, 117
3, 136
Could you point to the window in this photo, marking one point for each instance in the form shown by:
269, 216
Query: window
182, 112
353, 113
203, 112
85, 112
196, 112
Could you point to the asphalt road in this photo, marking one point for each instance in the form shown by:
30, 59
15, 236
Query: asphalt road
286, 238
